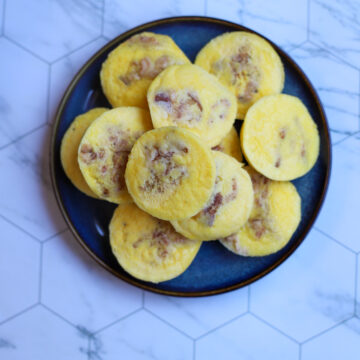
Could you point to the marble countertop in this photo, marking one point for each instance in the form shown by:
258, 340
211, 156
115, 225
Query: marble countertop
57, 303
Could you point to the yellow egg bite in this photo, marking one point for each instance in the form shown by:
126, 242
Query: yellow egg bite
189, 97
148, 248
130, 68
230, 145
105, 147
279, 138
246, 63
70, 145
170, 173
273, 220
229, 206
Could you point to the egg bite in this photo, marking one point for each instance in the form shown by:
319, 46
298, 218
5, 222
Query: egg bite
130, 68
229, 206
246, 63
279, 138
170, 173
191, 98
148, 248
105, 147
230, 145
274, 218
70, 145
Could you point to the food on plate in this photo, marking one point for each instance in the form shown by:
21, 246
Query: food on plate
230, 145
279, 138
170, 173
70, 145
148, 248
246, 63
130, 68
228, 207
189, 97
105, 147
274, 218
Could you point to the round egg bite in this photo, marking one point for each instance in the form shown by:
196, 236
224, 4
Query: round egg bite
70, 145
229, 206
148, 248
170, 173
279, 138
105, 147
189, 97
274, 218
230, 145
246, 63
130, 68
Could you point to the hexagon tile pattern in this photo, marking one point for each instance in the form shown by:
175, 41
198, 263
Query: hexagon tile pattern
19, 262
40, 335
199, 315
60, 26
94, 298
23, 104
25, 163
141, 336
307, 294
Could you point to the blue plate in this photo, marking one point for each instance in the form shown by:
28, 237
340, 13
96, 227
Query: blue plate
215, 269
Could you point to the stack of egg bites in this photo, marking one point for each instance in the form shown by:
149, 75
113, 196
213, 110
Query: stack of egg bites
169, 155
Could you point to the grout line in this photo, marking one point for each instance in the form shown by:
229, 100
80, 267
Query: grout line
345, 138
300, 351
40, 271
62, 57
58, 315
116, 321
26, 49
325, 331
19, 313
3, 19
295, 47
194, 350
274, 328
55, 235
169, 324
220, 326
143, 299
22, 136
333, 239
20, 228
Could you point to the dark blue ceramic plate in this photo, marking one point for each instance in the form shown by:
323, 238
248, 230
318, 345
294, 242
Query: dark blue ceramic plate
215, 269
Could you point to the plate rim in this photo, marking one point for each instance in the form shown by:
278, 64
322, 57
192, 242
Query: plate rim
59, 113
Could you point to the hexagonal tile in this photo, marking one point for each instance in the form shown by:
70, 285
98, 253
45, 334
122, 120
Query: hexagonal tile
19, 270
123, 15
30, 203
94, 297
196, 316
335, 24
40, 335
342, 342
65, 69
23, 104
339, 94
230, 10
282, 21
60, 26
342, 194
246, 338
310, 292
140, 337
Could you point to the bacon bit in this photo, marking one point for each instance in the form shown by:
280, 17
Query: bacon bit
137, 243
101, 153
194, 100
258, 226
87, 154
282, 133
162, 97
278, 162
250, 90
185, 150
241, 57
146, 40
104, 169
162, 62
144, 66
232, 195
217, 148
105, 192
303, 151
119, 160
211, 210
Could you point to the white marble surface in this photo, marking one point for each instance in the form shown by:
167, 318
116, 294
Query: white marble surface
57, 303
